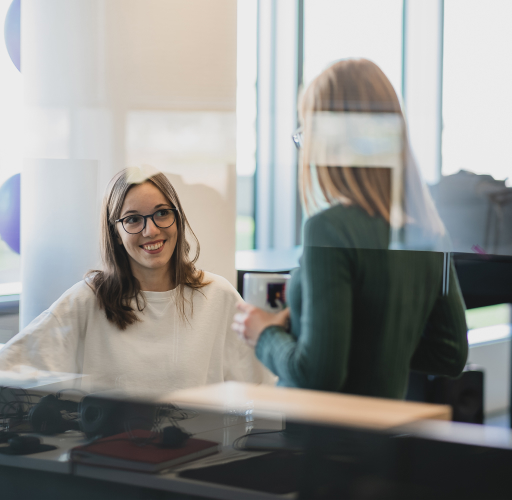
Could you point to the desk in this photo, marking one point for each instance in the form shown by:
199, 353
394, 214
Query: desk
21, 473
449, 458
92, 480
223, 428
302, 405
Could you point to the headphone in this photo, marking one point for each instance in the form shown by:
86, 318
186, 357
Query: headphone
46, 416
100, 417
105, 417
173, 437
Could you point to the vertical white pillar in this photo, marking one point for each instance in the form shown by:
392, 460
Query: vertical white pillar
132, 82
59, 230
265, 132
276, 202
285, 173
423, 46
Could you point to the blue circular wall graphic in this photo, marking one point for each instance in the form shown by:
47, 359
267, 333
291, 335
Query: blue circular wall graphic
10, 212
12, 33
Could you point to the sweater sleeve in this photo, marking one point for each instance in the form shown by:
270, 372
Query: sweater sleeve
51, 341
443, 347
240, 363
45, 344
318, 358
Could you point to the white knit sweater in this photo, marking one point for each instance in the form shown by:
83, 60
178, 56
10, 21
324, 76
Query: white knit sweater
160, 352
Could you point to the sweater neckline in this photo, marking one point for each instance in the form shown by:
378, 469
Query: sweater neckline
159, 296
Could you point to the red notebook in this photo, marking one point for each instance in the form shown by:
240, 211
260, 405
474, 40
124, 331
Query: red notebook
123, 452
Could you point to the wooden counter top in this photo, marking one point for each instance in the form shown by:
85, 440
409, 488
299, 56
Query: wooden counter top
308, 406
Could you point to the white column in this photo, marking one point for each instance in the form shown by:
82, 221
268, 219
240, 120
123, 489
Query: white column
132, 82
59, 230
277, 119
423, 82
265, 131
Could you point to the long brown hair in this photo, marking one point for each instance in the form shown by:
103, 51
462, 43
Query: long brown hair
115, 286
351, 85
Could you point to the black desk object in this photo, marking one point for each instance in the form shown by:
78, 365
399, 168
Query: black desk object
464, 394
265, 261
484, 279
272, 473
348, 463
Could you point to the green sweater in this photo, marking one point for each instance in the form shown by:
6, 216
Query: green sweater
363, 316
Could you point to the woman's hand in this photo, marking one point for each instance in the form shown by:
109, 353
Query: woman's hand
251, 321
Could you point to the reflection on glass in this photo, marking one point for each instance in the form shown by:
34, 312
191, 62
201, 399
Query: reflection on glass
197, 145
475, 198
477, 211
197, 152
388, 183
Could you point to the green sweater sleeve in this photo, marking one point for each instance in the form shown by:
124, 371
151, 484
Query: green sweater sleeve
443, 347
318, 359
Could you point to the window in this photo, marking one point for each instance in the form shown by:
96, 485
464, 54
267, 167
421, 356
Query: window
477, 100
247, 12
477, 105
336, 29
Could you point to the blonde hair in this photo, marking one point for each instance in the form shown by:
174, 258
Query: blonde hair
351, 85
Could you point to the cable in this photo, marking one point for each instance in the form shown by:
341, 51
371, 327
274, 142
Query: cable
15, 403
16, 406
171, 413
174, 413
248, 434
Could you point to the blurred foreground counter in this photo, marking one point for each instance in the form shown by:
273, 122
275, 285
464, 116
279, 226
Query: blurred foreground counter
300, 405
272, 443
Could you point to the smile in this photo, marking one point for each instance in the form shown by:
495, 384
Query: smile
153, 247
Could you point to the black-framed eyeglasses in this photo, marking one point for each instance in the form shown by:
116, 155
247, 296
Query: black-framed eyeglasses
163, 218
298, 138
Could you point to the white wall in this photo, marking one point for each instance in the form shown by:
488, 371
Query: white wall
59, 230
494, 357
131, 82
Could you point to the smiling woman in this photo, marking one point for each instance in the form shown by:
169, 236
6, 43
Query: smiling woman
149, 320
143, 252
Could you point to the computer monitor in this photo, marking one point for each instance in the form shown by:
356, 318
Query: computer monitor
485, 280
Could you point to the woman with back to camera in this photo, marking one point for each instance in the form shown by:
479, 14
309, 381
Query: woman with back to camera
149, 319
362, 313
